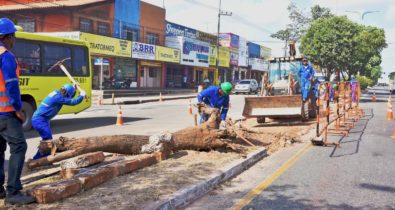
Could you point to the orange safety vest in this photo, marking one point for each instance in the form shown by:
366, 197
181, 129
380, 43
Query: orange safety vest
5, 105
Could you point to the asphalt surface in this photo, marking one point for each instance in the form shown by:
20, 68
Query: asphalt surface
357, 175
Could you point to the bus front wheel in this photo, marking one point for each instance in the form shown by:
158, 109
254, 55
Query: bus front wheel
27, 110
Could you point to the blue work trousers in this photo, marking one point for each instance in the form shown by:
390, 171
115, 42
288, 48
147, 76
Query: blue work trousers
11, 132
42, 126
305, 86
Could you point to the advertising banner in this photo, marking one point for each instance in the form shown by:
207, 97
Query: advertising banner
258, 64
101, 45
143, 51
229, 40
254, 50
224, 56
173, 29
193, 52
107, 46
167, 54
234, 57
265, 52
243, 52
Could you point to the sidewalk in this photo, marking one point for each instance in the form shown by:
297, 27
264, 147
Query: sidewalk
144, 99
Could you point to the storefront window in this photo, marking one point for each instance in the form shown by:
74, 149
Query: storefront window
28, 25
86, 25
153, 73
103, 28
152, 38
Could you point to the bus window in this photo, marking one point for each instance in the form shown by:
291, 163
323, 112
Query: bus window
53, 54
28, 57
80, 62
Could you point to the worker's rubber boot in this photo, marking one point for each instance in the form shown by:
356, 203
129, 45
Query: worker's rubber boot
39, 155
19, 198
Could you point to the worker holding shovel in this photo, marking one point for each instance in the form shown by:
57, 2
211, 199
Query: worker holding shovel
216, 97
49, 108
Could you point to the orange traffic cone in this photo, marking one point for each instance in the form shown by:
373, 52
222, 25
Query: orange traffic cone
390, 114
374, 97
190, 107
160, 97
119, 116
393, 135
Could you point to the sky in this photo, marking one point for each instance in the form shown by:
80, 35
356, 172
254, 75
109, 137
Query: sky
255, 20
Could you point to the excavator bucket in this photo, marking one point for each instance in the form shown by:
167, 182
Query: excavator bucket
274, 107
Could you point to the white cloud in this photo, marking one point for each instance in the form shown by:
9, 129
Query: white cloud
391, 13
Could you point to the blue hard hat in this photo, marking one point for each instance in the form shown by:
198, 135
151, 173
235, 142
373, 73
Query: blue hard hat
6, 26
70, 90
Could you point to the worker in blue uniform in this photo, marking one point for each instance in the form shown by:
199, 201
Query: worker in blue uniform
216, 97
11, 118
49, 108
306, 75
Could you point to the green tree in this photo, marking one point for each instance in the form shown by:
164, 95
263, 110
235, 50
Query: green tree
336, 43
300, 21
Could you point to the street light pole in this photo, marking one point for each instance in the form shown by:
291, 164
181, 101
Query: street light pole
217, 44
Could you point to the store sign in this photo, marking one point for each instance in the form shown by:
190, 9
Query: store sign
258, 64
143, 51
101, 45
224, 56
193, 52
254, 50
173, 29
229, 40
150, 63
265, 52
107, 46
167, 54
101, 61
243, 52
234, 57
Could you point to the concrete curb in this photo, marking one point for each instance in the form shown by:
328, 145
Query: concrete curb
185, 196
141, 101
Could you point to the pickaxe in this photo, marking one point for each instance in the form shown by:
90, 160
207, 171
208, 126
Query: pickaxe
64, 69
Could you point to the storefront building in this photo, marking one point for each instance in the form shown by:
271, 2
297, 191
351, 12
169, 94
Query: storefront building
231, 41
257, 68
152, 63
194, 59
243, 60
194, 68
223, 64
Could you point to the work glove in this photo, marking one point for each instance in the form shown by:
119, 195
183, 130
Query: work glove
222, 125
82, 93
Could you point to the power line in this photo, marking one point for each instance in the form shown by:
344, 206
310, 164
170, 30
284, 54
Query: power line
235, 16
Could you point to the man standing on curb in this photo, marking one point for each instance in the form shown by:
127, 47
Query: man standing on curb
306, 75
11, 118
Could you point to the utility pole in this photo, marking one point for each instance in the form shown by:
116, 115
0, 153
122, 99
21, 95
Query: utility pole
218, 30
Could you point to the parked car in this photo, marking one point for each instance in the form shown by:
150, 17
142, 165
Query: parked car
246, 86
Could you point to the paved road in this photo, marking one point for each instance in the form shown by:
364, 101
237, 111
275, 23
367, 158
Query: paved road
358, 175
